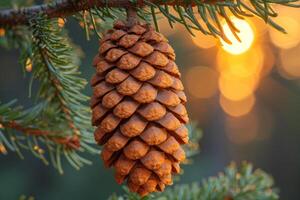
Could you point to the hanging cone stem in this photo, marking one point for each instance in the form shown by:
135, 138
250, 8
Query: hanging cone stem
132, 17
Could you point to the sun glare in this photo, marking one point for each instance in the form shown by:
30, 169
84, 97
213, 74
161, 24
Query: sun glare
246, 36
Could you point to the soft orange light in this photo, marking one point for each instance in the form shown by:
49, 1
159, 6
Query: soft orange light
244, 65
260, 27
2, 32
236, 88
28, 65
164, 25
2, 149
237, 108
61, 22
246, 36
289, 63
203, 41
240, 74
292, 27
202, 82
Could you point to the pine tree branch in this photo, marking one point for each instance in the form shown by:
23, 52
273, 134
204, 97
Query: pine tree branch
69, 142
26, 130
64, 8
202, 15
235, 183
55, 65
32, 129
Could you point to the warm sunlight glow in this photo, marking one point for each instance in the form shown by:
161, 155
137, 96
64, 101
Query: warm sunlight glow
244, 65
246, 36
237, 108
202, 82
165, 28
289, 40
259, 26
290, 63
203, 41
236, 88
239, 74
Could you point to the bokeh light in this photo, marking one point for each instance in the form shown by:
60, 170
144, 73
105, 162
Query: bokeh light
290, 63
243, 65
237, 108
239, 74
245, 34
292, 27
202, 82
236, 88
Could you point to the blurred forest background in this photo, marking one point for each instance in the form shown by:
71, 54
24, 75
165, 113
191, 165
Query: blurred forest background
244, 97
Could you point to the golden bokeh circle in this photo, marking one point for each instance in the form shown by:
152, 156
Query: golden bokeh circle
237, 108
292, 27
201, 81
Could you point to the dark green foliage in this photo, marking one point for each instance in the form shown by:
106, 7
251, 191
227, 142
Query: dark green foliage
24, 118
55, 65
62, 108
24, 197
236, 183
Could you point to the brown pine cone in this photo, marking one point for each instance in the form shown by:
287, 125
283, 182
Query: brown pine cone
138, 107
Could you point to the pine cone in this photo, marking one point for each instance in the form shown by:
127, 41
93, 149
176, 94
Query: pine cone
138, 107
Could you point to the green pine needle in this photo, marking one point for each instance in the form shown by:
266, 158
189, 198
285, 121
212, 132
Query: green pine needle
236, 183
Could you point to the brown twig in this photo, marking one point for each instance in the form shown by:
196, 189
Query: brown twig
26, 130
131, 16
64, 8
70, 142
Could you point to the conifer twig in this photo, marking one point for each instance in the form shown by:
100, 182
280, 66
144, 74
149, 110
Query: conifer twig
235, 183
64, 8
132, 17
202, 15
68, 141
